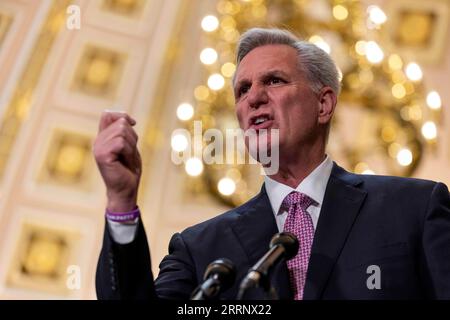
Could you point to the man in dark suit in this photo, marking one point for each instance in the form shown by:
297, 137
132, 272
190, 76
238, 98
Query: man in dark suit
361, 236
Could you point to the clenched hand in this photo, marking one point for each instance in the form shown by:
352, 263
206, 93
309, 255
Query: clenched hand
118, 159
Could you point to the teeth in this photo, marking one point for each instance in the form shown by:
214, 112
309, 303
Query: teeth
260, 120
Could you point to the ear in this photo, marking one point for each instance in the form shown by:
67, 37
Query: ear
327, 104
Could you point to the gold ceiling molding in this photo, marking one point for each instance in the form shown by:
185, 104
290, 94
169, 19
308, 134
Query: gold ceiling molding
22, 98
5, 23
99, 71
153, 134
129, 8
41, 258
68, 160
418, 28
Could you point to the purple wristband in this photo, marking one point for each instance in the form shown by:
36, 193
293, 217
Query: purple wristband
122, 216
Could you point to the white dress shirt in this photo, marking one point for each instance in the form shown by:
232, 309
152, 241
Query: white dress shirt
313, 185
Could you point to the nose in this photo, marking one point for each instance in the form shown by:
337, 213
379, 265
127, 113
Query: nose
257, 96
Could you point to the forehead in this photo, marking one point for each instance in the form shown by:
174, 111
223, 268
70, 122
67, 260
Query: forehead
269, 57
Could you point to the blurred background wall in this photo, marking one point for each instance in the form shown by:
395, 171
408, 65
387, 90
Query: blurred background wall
63, 62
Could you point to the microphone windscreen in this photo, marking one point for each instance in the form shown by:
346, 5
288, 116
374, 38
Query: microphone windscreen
288, 241
224, 269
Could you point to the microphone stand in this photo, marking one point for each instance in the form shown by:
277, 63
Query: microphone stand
254, 280
208, 288
219, 276
283, 246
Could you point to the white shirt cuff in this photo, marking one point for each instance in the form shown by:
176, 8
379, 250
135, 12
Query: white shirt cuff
123, 233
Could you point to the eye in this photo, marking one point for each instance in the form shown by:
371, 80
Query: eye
243, 89
275, 80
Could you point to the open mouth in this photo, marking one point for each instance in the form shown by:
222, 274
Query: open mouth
262, 121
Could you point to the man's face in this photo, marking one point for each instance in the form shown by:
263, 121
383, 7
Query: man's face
271, 93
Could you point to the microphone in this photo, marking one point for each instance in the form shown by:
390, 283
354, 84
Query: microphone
283, 245
219, 276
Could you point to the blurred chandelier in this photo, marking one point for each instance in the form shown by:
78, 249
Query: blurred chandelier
384, 118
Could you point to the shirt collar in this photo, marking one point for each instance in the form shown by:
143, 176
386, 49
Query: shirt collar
313, 185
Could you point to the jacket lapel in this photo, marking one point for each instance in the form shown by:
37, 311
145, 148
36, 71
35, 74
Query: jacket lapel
342, 203
254, 229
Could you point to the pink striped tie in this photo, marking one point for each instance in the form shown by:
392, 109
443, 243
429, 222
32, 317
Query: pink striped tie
299, 223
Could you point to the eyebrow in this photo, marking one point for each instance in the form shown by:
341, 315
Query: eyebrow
264, 76
276, 73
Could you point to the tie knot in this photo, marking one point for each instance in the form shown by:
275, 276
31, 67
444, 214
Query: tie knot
299, 198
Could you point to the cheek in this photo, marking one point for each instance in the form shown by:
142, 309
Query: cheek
294, 122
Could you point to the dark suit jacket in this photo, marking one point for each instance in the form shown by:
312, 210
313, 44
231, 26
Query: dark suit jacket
400, 225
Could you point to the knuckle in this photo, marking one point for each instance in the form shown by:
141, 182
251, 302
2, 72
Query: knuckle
122, 143
100, 156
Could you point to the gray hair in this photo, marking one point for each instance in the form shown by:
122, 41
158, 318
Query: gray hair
320, 70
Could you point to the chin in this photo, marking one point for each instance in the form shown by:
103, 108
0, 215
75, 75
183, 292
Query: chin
263, 145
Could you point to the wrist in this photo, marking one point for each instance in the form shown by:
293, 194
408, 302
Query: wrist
123, 217
121, 205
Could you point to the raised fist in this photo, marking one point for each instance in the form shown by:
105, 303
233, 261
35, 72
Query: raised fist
118, 159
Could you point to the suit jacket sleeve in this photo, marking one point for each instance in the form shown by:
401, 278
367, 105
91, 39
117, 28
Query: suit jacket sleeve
124, 270
177, 277
436, 243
